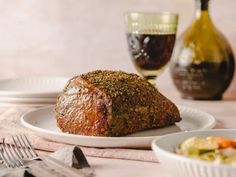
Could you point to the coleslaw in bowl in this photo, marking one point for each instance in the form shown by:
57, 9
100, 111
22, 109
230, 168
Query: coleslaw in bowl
174, 153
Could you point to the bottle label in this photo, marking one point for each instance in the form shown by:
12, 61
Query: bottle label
191, 79
204, 80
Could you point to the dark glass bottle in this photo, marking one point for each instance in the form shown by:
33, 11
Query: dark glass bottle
202, 65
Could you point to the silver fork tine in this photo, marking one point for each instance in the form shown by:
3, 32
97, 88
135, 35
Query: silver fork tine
30, 146
17, 161
11, 162
23, 147
26, 148
16, 153
5, 160
10, 155
18, 148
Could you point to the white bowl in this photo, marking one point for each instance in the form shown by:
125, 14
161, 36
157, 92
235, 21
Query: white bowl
180, 166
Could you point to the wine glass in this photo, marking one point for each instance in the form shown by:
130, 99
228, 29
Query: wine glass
151, 39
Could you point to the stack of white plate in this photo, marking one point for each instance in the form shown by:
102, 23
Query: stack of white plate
33, 90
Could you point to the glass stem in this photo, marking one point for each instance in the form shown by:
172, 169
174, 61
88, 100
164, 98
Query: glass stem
152, 80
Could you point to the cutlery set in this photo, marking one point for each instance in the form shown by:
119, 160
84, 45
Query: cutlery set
21, 155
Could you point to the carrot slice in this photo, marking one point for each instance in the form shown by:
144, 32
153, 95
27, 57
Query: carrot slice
225, 143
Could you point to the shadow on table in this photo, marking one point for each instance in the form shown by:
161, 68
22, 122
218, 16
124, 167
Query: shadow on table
219, 125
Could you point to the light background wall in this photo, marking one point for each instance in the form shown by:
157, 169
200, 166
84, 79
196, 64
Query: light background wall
68, 37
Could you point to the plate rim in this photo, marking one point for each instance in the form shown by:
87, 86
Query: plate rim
210, 125
26, 93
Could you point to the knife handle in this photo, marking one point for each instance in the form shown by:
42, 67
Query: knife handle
63, 169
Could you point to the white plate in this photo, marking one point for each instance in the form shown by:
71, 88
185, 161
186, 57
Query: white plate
43, 123
43, 87
181, 166
27, 100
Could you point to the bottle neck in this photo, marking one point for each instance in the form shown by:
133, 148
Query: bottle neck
202, 9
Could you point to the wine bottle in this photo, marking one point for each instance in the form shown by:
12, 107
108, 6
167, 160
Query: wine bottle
202, 64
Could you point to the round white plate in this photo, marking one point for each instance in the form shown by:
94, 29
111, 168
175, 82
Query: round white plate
27, 100
36, 87
43, 123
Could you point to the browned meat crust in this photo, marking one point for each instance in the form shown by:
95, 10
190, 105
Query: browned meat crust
112, 103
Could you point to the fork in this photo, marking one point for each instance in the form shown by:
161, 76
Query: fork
24, 148
17, 155
22, 152
11, 159
10, 156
